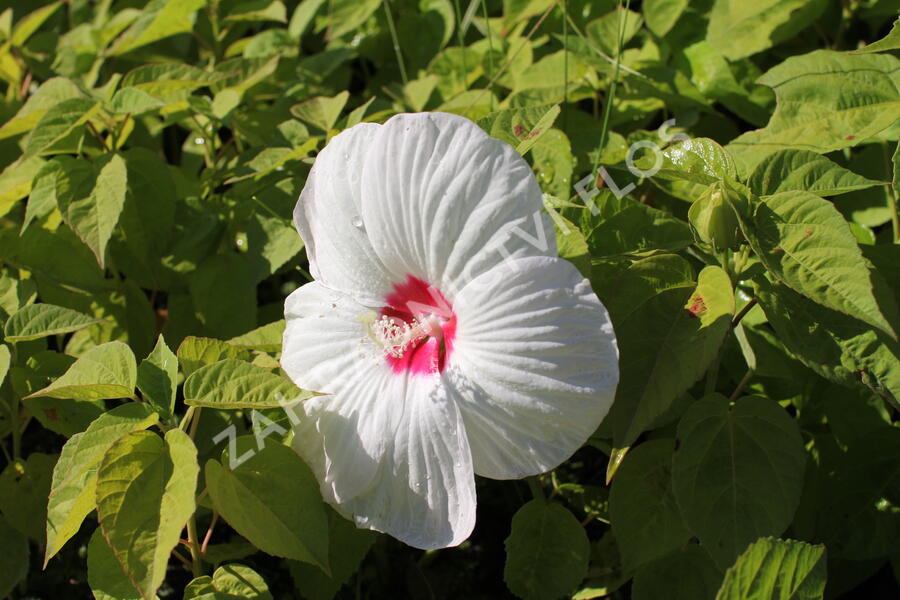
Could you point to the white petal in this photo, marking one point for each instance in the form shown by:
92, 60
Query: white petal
327, 215
535, 366
326, 349
424, 494
442, 198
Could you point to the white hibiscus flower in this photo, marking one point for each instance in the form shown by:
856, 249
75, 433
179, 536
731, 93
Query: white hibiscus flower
446, 334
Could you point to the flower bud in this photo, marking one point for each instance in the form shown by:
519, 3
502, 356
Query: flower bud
713, 219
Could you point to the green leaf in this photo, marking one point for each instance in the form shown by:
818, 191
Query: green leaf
321, 112
805, 242
42, 199
624, 226
258, 10
804, 170
157, 378
16, 182
31, 22
73, 490
104, 371
521, 128
52, 92
196, 352
773, 569
738, 472
546, 552
266, 338
58, 123
232, 383
145, 494
24, 487
739, 29
14, 566
686, 574
661, 15
617, 24
41, 320
229, 582
223, 291
858, 516
642, 509
667, 339
834, 345
347, 547
273, 500
889, 42
345, 16
91, 201
159, 19
697, 160
825, 101
5, 359
104, 573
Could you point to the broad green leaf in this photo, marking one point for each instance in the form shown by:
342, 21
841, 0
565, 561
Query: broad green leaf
5, 360
773, 569
858, 517
303, 17
157, 378
738, 472
31, 22
258, 10
14, 294
232, 383
14, 566
166, 83
546, 552
159, 19
345, 16
223, 291
146, 489
803, 170
521, 128
834, 345
58, 123
104, 371
273, 500
92, 201
133, 101
42, 198
16, 182
321, 112
667, 340
196, 352
104, 573
623, 226
347, 547
738, 28
606, 31
73, 490
41, 320
889, 42
229, 582
52, 92
642, 508
825, 101
266, 338
697, 160
806, 243
661, 15
58, 256
24, 487
686, 574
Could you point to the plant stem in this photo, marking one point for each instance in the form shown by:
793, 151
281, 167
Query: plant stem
740, 386
396, 41
196, 566
747, 308
534, 485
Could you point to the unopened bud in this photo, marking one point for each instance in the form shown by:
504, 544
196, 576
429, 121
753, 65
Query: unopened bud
713, 218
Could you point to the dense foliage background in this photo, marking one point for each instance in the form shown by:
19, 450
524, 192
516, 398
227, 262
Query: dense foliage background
151, 154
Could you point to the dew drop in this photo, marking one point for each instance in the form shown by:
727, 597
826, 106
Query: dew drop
357, 222
199, 141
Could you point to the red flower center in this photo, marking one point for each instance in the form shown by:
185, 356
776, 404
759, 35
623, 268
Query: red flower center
418, 326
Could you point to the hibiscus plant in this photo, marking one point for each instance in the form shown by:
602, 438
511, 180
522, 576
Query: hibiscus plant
449, 299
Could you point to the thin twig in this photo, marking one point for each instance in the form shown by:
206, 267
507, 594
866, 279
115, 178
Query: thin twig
747, 308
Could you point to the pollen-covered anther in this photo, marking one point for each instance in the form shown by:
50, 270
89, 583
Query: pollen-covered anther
395, 336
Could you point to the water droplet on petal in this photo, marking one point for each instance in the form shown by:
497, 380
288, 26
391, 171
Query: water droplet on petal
357, 222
